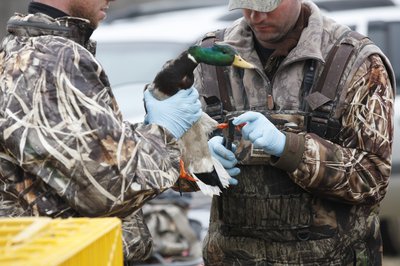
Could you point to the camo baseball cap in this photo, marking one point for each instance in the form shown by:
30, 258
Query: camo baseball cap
258, 5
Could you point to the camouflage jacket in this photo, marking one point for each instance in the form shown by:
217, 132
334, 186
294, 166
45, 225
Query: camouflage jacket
64, 147
318, 203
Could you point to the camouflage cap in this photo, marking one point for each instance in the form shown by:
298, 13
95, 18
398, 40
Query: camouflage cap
258, 5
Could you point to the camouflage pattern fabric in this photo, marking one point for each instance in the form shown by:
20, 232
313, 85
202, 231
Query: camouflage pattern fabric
317, 204
171, 230
65, 150
259, 5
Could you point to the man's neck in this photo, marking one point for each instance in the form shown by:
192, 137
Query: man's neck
36, 7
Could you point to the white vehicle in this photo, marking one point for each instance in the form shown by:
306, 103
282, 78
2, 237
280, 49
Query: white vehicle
133, 50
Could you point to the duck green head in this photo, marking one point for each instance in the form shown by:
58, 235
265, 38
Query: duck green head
218, 55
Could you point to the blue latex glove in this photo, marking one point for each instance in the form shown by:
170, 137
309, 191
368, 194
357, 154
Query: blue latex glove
261, 132
224, 156
177, 113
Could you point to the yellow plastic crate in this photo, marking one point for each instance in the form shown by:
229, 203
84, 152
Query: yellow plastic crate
73, 241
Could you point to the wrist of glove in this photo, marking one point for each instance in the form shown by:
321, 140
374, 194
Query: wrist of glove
261, 132
224, 156
177, 113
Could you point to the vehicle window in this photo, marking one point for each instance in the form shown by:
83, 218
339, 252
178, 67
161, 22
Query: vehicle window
135, 62
387, 36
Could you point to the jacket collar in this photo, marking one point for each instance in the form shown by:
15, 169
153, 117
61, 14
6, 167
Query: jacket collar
39, 24
309, 45
36, 7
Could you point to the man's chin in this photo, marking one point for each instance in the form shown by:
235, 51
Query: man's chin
271, 38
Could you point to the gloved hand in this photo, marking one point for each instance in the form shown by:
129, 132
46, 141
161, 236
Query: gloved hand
224, 156
177, 113
261, 132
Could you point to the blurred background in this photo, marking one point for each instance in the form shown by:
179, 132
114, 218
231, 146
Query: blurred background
139, 36
118, 7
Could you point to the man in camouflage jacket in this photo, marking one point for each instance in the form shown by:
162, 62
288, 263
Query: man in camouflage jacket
317, 202
64, 149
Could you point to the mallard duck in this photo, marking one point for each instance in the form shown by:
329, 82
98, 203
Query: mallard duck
197, 164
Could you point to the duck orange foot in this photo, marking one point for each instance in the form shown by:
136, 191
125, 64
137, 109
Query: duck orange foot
183, 173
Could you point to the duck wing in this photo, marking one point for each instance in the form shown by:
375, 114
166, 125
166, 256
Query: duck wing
211, 177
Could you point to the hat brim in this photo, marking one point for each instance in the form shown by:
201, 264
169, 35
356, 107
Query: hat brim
264, 7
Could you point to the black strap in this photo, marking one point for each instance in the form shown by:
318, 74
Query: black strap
219, 75
327, 88
308, 81
224, 90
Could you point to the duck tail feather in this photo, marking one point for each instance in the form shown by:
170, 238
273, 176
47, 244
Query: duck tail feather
223, 175
207, 189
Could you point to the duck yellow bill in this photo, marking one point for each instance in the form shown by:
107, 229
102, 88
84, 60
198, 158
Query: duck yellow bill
240, 62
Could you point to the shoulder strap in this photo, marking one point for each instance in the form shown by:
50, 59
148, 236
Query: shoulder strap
328, 82
222, 81
328, 86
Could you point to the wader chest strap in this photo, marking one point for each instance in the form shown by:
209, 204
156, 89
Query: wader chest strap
327, 88
219, 71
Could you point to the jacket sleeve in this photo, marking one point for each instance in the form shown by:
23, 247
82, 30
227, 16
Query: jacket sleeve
66, 130
357, 169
